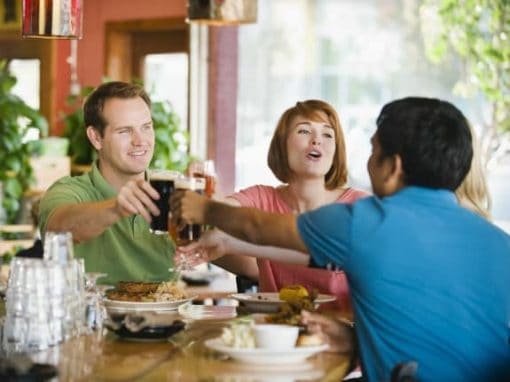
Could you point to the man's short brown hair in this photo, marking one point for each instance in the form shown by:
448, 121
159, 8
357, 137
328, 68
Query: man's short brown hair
94, 105
277, 158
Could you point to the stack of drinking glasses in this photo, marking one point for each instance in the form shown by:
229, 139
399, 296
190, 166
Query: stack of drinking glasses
45, 298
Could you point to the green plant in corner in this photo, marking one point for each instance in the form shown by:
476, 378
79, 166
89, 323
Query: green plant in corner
80, 149
16, 118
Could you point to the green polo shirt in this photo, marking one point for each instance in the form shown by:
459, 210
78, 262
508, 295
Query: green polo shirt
125, 251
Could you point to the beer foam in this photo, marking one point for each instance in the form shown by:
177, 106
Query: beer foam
195, 184
164, 175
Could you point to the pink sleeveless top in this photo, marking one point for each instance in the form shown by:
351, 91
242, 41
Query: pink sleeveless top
274, 275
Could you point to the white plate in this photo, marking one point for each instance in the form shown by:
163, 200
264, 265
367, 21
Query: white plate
262, 356
270, 302
207, 312
128, 306
240, 371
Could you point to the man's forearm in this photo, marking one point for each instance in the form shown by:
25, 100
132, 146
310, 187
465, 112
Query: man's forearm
84, 220
255, 226
240, 247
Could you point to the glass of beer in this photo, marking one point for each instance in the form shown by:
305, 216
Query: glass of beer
183, 235
205, 169
163, 181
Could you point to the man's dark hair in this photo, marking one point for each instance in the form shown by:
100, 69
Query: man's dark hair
432, 138
93, 107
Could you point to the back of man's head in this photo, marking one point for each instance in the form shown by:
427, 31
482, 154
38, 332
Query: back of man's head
432, 138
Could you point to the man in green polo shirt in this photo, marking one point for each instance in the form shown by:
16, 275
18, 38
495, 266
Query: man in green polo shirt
109, 209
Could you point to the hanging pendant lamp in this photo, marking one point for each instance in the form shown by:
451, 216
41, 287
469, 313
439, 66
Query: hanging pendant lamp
222, 12
61, 19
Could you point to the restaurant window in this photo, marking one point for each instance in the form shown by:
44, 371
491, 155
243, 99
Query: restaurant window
27, 73
156, 51
166, 78
356, 55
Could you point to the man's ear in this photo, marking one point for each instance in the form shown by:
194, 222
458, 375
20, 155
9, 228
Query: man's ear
94, 137
394, 178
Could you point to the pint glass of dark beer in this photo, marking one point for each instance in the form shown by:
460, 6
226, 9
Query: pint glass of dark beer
190, 232
163, 181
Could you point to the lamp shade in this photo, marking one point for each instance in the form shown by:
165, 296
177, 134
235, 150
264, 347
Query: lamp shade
52, 19
222, 12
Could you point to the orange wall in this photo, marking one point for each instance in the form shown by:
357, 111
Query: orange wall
91, 47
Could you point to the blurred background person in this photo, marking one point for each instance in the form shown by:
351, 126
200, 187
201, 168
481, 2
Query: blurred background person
473, 193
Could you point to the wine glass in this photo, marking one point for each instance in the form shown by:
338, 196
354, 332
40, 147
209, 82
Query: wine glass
91, 280
187, 261
95, 311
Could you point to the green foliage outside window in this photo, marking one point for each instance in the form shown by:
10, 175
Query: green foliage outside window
479, 32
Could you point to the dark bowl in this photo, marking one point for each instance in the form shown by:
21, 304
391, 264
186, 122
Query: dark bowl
153, 333
37, 373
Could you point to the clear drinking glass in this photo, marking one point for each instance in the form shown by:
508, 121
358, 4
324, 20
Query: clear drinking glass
44, 303
58, 246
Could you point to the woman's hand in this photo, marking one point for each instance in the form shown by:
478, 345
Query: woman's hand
214, 243
338, 333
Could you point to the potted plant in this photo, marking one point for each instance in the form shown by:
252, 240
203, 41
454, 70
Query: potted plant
16, 118
170, 150
80, 150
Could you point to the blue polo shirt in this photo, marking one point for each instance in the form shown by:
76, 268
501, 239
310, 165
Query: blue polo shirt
430, 281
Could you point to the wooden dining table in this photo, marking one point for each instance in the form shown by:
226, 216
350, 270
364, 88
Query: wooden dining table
104, 356
184, 357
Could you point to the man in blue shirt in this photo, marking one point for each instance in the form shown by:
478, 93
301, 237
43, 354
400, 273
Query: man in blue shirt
430, 280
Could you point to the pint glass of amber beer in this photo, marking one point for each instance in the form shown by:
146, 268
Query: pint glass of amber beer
163, 181
205, 169
184, 235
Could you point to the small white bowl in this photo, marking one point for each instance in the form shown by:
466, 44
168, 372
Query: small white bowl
275, 337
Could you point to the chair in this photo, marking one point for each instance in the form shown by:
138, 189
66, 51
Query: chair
245, 284
16, 229
405, 372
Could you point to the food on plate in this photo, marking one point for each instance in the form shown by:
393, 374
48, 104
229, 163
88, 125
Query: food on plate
309, 339
239, 334
293, 293
296, 298
137, 286
147, 291
118, 295
168, 291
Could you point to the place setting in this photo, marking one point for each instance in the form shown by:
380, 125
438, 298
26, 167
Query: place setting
155, 311
271, 302
245, 340
145, 310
